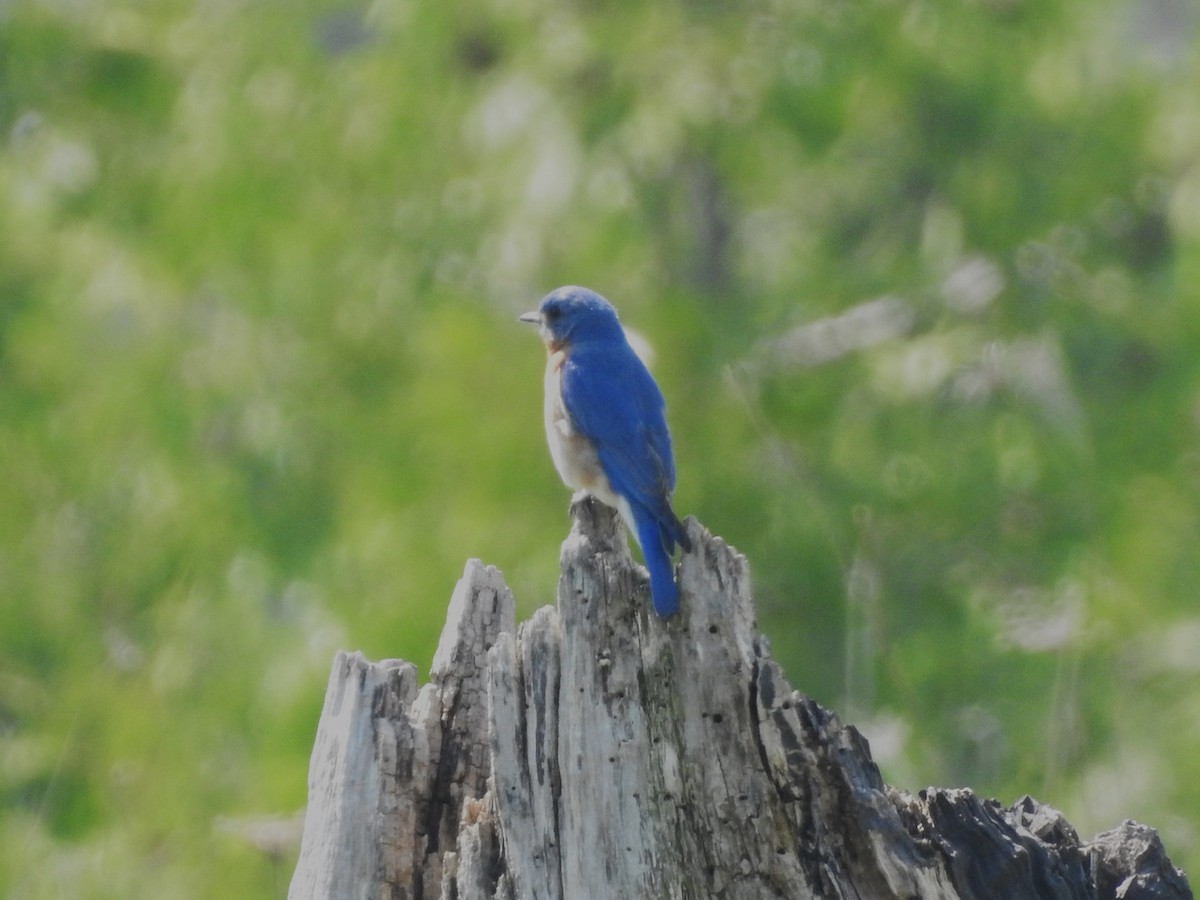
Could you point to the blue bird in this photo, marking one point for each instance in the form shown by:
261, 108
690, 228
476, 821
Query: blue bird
606, 427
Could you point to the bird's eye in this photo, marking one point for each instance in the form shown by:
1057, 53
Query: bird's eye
551, 313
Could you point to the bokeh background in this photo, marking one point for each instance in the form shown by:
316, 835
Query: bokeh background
919, 278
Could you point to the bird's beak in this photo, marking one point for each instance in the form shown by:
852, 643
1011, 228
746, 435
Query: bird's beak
533, 318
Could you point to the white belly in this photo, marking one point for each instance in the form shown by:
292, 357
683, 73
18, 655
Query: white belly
573, 454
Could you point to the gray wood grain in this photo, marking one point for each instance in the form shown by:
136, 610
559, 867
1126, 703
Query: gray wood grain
598, 751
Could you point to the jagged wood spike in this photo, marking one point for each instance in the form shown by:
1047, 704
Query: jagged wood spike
601, 752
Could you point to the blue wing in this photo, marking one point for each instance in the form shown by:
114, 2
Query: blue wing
613, 400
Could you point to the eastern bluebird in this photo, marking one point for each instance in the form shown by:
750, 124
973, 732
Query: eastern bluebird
606, 428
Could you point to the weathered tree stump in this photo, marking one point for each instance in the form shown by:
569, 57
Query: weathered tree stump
599, 752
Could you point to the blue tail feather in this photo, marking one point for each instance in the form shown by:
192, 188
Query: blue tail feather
656, 542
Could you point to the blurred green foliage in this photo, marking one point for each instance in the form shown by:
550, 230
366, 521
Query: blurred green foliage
921, 281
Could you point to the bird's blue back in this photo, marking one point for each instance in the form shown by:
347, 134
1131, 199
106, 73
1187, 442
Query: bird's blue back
622, 413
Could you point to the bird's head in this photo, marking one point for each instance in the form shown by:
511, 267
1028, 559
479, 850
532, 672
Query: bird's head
569, 315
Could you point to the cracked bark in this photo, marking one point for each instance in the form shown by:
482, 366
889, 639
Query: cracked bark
597, 751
